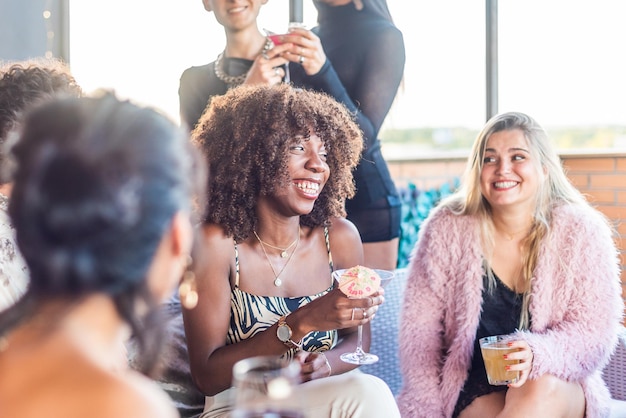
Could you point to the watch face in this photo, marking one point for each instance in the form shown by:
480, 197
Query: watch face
284, 333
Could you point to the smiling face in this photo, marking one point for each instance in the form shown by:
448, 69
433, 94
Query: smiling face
510, 177
308, 172
235, 14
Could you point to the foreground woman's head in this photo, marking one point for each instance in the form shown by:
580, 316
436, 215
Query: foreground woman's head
100, 183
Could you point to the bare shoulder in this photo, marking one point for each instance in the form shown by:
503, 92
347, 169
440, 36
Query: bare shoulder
132, 395
214, 268
90, 392
214, 241
213, 234
345, 243
343, 229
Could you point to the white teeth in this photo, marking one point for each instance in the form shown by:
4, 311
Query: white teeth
236, 10
308, 187
504, 184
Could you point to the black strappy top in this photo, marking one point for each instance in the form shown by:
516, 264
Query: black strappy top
501, 311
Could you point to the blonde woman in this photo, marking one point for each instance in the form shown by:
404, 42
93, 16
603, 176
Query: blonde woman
516, 250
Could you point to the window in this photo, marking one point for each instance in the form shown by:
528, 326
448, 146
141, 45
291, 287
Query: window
559, 61
562, 62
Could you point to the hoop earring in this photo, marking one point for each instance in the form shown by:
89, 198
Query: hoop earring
187, 288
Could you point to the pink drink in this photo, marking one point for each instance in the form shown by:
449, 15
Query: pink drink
275, 38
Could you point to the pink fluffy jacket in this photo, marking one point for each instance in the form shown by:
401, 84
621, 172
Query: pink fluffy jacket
576, 309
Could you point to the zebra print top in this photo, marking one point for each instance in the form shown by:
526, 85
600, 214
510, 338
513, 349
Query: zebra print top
251, 314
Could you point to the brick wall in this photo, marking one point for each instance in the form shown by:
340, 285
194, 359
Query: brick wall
599, 176
602, 178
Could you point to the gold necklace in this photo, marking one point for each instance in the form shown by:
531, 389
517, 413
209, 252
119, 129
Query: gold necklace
231, 80
283, 251
511, 235
277, 281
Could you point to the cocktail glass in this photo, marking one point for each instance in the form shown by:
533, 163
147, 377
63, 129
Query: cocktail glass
359, 356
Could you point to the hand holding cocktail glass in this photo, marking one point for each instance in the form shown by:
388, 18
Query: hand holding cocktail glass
507, 360
360, 282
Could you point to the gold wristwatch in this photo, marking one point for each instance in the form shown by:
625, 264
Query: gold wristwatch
284, 333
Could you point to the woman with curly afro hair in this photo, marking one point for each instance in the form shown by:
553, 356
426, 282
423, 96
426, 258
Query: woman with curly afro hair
280, 162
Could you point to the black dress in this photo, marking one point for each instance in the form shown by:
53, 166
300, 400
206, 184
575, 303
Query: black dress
364, 67
199, 84
501, 312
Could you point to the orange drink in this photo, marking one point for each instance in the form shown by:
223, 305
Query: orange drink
494, 349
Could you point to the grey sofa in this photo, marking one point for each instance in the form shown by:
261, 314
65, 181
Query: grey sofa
384, 344
176, 380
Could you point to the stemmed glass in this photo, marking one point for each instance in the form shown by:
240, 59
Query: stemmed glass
359, 356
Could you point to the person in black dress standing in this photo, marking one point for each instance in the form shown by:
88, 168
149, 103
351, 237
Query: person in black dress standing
357, 55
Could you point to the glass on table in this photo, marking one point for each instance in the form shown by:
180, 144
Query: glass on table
264, 388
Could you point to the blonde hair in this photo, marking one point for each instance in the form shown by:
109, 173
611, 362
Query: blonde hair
553, 191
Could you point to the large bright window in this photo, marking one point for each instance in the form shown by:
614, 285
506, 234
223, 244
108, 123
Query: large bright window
560, 61
442, 101
141, 47
563, 62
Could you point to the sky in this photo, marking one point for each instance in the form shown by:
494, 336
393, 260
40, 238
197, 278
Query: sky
560, 60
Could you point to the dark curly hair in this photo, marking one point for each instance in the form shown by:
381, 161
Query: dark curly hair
97, 184
24, 84
246, 135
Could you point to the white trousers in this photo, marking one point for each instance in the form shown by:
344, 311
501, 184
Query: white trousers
349, 395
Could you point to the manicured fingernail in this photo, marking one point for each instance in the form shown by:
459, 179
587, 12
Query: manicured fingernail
507, 368
504, 356
509, 344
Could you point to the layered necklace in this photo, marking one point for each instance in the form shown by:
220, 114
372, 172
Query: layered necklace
231, 80
283, 254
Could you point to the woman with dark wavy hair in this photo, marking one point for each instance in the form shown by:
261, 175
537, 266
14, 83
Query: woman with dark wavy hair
101, 205
281, 162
